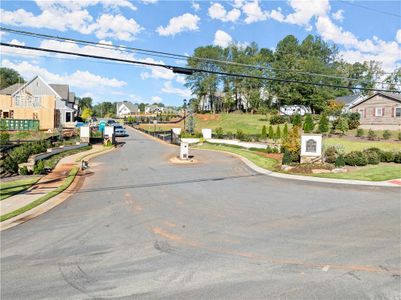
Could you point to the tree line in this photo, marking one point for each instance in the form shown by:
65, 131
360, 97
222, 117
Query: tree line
291, 59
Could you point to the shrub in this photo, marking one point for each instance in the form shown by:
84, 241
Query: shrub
271, 132
39, 168
340, 162
292, 143
360, 132
355, 158
278, 133
353, 120
285, 131
230, 135
286, 158
240, 134
264, 132
397, 158
330, 155
342, 125
372, 157
387, 156
23, 171
324, 124
277, 119
297, 120
371, 135
219, 132
386, 134
308, 124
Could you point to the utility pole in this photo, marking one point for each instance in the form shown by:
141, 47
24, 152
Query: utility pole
185, 112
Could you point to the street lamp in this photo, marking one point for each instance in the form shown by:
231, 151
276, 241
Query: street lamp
185, 111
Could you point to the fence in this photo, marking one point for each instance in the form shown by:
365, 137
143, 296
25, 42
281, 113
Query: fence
19, 124
165, 135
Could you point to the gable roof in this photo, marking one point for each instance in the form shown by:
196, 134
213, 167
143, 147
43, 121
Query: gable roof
11, 89
61, 89
392, 96
71, 97
129, 105
348, 99
29, 82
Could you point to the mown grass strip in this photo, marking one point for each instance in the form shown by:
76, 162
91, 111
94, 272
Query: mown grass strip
11, 188
66, 183
96, 152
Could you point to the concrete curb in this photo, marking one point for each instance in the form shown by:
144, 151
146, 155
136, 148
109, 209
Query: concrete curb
52, 202
307, 178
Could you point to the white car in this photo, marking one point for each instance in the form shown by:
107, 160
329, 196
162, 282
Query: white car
120, 132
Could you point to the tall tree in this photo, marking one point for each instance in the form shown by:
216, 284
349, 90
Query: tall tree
9, 77
86, 102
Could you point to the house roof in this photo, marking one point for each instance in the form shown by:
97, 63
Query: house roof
393, 96
348, 99
129, 105
61, 89
71, 97
29, 82
10, 89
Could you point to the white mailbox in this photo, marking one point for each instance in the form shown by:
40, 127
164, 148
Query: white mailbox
207, 133
109, 131
184, 150
177, 131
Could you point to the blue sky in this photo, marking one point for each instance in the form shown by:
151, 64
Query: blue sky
361, 33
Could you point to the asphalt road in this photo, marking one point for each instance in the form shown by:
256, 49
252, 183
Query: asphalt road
141, 227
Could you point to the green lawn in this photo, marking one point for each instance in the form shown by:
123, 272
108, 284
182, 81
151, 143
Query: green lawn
356, 145
259, 160
371, 173
66, 183
10, 188
248, 123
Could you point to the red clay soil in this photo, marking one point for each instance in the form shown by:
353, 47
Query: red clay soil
208, 117
276, 156
54, 178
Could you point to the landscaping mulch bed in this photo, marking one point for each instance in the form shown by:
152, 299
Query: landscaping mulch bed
276, 156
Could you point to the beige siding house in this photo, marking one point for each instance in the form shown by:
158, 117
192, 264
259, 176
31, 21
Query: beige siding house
380, 111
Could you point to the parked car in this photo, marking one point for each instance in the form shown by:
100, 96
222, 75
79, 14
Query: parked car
120, 131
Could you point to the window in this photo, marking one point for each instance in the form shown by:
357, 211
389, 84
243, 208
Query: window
361, 113
68, 117
11, 114
378, 112
311, 146
36, 101
398, 111
17, 100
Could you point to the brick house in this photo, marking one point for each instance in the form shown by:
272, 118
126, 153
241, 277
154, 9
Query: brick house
380, 110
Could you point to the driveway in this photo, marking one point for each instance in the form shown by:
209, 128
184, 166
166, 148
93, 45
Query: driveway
141, 227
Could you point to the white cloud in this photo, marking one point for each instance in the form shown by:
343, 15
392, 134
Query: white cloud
157, 99
78, 79
222, 39
186, 22
217, 11
16, 42
149, 1
111, 26
398, 36
276, 15
388, 53
195, 6
70, 15
253, 12
168, 88
305, 10
338, 15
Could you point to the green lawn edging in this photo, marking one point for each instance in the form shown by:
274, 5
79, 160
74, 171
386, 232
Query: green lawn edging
96, 152
66, 183
11, 188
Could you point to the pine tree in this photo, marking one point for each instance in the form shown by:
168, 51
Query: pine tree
285, 131
278, 132
342, 125
308, 124
323, 124
264, 132
271, 132
297, 120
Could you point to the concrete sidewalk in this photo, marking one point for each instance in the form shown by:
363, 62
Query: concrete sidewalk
47, 183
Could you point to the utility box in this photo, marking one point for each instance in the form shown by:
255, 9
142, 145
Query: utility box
84, 134
109, 135
207, 133
184, 150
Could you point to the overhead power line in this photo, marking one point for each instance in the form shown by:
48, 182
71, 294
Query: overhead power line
123, 48
190, 71
372, 9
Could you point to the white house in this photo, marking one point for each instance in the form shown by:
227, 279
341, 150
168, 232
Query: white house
289, 110
126, 108
349, 101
